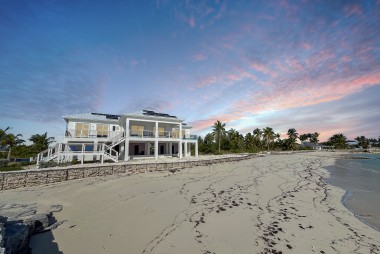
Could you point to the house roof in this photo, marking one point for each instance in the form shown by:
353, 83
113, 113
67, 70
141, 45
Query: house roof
93, 116
150, 114
144, 114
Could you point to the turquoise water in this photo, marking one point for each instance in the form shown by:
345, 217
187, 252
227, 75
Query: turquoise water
359, 175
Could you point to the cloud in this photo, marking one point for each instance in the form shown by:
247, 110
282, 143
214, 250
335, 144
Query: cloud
44, 86
191, 22
199, 13
353, 9
226, 78
353, 115
134, 62
198, 57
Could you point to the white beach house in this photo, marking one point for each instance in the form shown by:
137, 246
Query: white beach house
143, 134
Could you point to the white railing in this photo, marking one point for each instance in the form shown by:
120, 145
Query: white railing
110, 152
116, 139
141, 134
91, 134
48, 154
161, 134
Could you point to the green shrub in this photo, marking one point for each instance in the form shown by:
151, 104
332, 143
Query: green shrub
3, 163
12, 167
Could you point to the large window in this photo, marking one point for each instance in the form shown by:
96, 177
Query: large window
82, 130
161, 131
101, 130
137, 130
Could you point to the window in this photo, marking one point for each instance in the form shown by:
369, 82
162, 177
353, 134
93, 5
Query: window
101, 131
82, 130
161, 131
137, 130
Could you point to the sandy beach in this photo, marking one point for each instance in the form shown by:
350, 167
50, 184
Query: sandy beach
271, 204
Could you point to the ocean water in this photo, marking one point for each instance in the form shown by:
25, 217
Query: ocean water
359, 175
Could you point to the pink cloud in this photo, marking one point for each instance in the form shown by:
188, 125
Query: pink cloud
346, 59
353, 9
295, 65
226, 78
262, 68
199, 57
133, 62
306, 46
285, 97
191, 22
209, 122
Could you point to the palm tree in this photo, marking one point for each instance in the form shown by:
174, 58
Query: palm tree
249, 141
3, 133
303, 137
12, 140
41, 142
236, 139
257, 134
268, 135
218, 130
314, 137
338, 141
293, 135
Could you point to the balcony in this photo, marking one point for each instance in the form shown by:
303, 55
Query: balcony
91, 134
161, 134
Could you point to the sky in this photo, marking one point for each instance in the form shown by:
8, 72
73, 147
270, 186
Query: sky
309, 65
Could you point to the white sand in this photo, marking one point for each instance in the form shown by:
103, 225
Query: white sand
255, 206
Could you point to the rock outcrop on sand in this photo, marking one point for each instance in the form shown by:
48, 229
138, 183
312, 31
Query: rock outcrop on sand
19, 222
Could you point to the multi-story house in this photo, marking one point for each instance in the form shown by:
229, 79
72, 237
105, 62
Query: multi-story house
100, 137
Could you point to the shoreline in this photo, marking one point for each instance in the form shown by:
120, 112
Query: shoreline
344, 202
277, 203
355, 173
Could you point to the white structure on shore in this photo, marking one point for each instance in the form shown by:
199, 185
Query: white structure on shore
94, 136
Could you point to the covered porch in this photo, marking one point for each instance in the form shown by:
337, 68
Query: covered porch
156, 149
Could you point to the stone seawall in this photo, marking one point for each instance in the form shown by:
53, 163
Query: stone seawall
28, 178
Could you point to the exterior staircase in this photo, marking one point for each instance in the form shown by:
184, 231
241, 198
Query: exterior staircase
63, 152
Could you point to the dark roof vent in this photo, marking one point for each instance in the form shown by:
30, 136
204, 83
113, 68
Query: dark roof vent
152, 113
108, 116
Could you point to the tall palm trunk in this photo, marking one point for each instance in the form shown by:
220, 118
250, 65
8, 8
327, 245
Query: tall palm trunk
9, 154
219, 140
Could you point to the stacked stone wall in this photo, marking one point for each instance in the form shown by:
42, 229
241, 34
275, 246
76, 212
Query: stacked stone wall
28, 178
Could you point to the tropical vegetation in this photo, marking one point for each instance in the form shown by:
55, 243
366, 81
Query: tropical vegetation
12, 147
222, 140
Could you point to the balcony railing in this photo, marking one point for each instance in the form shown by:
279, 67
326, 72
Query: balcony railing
115, 134
161, 134
190, 137
91, 134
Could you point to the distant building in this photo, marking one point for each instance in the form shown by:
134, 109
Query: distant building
315, 146
352, 143
95, 136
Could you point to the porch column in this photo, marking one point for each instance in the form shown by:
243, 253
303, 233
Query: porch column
156, 148
95, 149
166, 148
180, 149
170, 148
146, 144
126, 149
185, 144
127, 127
196, 149
156, 131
